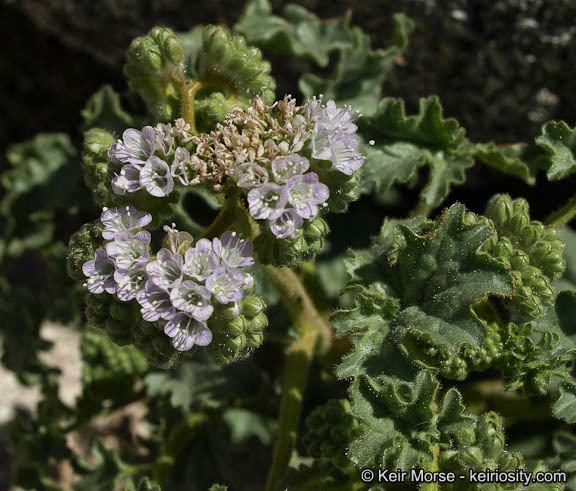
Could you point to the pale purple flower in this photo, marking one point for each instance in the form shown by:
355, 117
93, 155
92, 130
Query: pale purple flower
248, 282
267, 201
100, 273
128, 181
192, 298
186, 331
313, 109
226, 284
166, 271
155, 303
130, 281
200, 260
163, 138
337, 119
180, 167
123, 218
284, 168
322, 144
232, 250
156, 178
305, 193
286, 224
128, 249
345, 156
250, 175
177, 241
135, 147
332, 125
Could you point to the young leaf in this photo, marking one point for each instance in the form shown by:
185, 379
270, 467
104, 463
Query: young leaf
403, 144
104, 110
559, 140
300, 33
565, 407
398, 431
360, 71
509, 159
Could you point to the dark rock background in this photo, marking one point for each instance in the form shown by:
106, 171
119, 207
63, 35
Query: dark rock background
500, 67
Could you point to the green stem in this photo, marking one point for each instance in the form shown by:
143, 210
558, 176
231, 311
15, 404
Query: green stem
223, 221
179, 437
188, 92
432, 466
312, 327
562, 216
421, 209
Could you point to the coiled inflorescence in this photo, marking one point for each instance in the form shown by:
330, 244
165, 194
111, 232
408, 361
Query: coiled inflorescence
178, 288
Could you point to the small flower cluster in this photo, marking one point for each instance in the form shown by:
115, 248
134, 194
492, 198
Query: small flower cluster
178, 287
144, 156
270, 152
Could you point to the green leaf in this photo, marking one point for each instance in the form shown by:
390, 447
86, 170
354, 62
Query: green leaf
437, 278
398, 422
559, 140
145, 484
360, 71
35, 161
245, 424
192, 45
453, 422
568, 280
510, 159
565, 406
104, 110
205, 384
103, 473
300, 33
403, 144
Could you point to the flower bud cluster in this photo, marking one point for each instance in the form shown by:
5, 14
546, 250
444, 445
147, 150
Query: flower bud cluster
531, 251
177, 289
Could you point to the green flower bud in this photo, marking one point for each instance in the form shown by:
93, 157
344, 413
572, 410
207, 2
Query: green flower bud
251, 306
291, 251
81, 248
330, 430
235, 334
490, 434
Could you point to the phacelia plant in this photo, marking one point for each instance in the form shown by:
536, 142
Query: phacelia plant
232, 230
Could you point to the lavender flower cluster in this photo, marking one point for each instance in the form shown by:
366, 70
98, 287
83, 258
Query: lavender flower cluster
290, 194
180, 286
145, 155
269, 151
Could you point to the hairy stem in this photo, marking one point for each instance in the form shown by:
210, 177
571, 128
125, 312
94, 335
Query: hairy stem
562, 216
432, 466
188, 91
223, 221
421, 209
312, 328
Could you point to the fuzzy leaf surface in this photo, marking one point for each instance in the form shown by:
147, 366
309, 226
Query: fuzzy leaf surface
360, 71
403, 143
298, 33
437, 278
559, 140
511, 160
